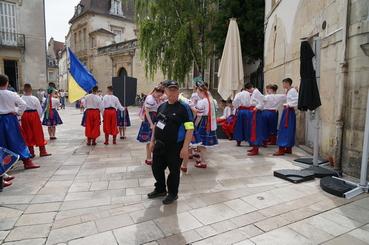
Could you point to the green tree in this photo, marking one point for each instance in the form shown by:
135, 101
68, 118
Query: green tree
174, 35
250, 19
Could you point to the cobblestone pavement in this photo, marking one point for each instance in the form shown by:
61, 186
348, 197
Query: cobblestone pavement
97, 195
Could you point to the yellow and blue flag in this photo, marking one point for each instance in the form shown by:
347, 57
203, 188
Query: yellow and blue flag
80, 80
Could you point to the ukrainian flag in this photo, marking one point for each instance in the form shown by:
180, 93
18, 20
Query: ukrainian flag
80, 80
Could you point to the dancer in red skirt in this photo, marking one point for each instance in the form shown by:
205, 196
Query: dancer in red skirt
92, 118
31, 123
110, 104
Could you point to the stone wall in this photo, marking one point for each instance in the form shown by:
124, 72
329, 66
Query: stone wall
31, 61
32, 24
285, 26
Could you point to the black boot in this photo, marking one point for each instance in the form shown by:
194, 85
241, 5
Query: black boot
156, 194
169, 199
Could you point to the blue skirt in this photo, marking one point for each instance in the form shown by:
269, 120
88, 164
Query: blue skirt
11, 136
202, 136
52, 121
242, 129
287, 129
270, 119
145, 132
123, 118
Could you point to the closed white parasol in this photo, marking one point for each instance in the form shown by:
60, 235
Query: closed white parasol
231, 76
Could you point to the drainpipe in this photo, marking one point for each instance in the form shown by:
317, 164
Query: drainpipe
342, 81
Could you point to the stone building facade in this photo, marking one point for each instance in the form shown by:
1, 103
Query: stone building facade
23, 42
54, 50
103, 36
338, 31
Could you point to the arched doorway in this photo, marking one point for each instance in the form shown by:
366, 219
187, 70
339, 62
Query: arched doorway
122, 72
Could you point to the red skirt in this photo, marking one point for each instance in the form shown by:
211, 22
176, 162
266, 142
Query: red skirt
92, 129
110, 121
228, 126
32, 129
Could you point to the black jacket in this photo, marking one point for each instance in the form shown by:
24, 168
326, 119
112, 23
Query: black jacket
309, 98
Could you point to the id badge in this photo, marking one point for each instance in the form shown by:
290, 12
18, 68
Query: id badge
160, 125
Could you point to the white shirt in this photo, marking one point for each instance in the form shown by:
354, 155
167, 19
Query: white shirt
93, 101
273, 101
55, 102
110, 100
202, 107
194, 99
242, 99
151, 103
32, 103
292, 98
227, 112
257, 99
11, 102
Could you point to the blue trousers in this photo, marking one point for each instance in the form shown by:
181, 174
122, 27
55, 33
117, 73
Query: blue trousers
270, 119
11, 137
287, 129
257, 129
242, 128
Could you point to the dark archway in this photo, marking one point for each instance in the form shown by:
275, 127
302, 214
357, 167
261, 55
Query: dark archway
122, 72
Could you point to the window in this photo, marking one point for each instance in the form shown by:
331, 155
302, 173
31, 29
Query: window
93, 42
79, 9
118, 35
8, 25
84, 39
51, 76
75, 41
79, 43
116, 7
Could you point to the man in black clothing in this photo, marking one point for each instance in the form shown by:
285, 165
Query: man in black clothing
170, 142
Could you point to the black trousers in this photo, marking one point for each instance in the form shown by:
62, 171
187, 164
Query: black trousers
171, 159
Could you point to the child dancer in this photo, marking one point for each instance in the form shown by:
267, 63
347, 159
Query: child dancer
287, 126
91, 117
242, 128
31, 123
206, 126
257, 126
11, 137
270, 113
123, 122
229, 123
149, 111
110, 104
51, 116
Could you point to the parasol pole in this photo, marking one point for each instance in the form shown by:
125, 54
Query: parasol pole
316, 138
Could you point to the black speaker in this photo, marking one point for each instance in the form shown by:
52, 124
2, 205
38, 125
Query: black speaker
125, 88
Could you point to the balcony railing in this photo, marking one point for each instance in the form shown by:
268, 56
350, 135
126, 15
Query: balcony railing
11, 39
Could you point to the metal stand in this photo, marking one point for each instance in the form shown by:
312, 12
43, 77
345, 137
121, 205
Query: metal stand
315, 161
362, 187
319, 172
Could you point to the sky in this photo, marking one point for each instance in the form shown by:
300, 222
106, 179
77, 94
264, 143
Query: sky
58, 13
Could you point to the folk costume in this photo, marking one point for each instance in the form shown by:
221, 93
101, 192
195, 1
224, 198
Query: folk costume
11, 136
110, 104
31, 126
287, 126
